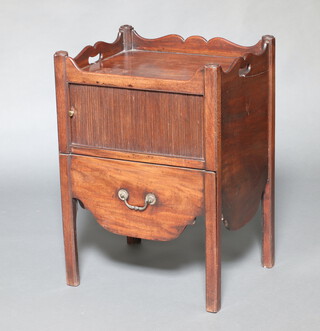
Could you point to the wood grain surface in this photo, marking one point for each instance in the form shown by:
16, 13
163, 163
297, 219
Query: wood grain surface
213, 249
158, 65
77, 75
244, 139
183, 162
137, 121
179, 194
103, 49
193, 45
268, 201
190, 120
69, 218
62, 101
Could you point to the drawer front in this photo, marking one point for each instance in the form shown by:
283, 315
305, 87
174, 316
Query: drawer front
127, 120
177, 196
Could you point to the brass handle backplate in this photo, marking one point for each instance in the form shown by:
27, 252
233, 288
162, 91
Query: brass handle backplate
150, 199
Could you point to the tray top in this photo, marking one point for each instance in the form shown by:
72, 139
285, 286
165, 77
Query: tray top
168, 63
161, 65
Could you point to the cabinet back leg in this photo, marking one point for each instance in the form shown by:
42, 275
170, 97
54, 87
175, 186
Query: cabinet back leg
69, 214
133, 241
268, 226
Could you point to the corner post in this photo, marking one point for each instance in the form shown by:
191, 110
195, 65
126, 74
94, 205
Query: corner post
268, 252
62, 100
126, 31
212, 148
69, 205
69, 214
213, 251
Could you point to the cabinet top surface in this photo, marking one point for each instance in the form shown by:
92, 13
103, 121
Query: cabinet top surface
170, 63
157, 64
162, 65
170, 57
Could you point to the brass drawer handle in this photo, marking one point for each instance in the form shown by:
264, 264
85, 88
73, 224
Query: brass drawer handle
150, 199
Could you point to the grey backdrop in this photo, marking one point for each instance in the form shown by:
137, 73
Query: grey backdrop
158, 286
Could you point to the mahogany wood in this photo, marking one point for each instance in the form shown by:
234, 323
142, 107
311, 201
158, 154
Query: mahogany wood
213, 255
62, 101
145, 158
138, 121
133, 241
104, 50
126, 31
212, 115
179, 193
191, 121
194, 45
268, 196
213, 214
69, 214
84, 76
244, 141
157, 65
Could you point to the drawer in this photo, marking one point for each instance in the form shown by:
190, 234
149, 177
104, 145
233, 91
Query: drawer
158, 123
177, 195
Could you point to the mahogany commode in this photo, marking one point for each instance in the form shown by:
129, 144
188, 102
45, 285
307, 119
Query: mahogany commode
156, 132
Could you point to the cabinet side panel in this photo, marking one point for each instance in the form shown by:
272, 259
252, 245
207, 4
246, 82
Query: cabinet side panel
137, 121
244, 147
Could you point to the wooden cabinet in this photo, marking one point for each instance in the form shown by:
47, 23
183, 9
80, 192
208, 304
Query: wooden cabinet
156, 132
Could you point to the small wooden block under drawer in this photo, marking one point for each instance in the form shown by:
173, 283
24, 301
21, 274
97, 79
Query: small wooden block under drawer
178, 191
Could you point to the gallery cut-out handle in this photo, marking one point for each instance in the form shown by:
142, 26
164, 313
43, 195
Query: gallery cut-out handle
94, 59
245, 70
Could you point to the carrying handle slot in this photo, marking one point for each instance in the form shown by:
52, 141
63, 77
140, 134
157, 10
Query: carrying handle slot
94, 59
245, 70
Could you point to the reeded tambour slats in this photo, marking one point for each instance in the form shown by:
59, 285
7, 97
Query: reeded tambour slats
137, 121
